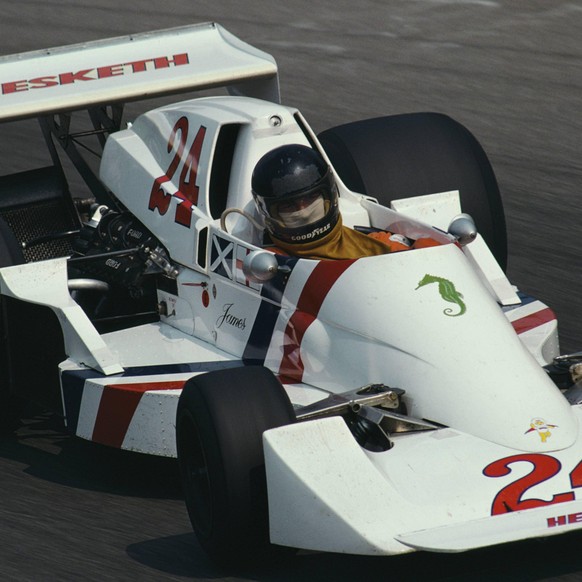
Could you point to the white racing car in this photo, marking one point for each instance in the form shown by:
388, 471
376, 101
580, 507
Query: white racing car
410, 401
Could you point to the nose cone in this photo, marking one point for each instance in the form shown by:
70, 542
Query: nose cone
422, 321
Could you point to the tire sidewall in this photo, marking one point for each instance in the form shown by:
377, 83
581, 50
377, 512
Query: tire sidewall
230, 410
415, 154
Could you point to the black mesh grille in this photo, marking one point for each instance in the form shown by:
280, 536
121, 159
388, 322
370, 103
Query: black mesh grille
45, 219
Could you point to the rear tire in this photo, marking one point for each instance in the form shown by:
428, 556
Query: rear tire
220, 422
409, 155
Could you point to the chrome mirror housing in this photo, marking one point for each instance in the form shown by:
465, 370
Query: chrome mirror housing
463, 228
260, 266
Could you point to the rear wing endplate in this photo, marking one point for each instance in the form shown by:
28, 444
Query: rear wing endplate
132, 68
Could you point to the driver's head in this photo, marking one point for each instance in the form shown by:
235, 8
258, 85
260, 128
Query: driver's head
295, 192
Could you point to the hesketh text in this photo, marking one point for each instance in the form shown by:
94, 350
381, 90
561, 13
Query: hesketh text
95, 74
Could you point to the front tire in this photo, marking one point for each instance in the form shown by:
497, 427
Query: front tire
413, 154
220, 422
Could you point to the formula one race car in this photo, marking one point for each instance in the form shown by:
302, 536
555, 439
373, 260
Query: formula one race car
412, 400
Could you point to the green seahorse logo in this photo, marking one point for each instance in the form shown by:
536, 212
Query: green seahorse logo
448, 293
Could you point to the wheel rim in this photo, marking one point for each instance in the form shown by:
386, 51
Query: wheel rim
195, 476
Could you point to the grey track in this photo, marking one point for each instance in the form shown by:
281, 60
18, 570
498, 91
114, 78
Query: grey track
509, 71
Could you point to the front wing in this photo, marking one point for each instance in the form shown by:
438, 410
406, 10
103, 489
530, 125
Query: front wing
440, 491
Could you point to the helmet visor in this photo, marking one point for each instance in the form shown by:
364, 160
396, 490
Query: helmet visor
299, 211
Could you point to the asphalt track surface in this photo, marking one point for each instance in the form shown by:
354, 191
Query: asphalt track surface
509, 71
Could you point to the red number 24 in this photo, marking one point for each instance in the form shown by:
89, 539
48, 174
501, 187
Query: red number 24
187, 189
544, 468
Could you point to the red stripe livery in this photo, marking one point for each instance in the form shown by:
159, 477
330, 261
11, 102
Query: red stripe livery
321, 280
117, 407
534, 320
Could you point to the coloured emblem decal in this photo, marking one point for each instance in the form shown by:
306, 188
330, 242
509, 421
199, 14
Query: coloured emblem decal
540, 426
448, 292
226, 260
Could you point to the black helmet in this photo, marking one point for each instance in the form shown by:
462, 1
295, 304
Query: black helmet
295, 192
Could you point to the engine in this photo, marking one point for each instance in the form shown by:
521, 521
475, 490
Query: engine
116, 248
115, 271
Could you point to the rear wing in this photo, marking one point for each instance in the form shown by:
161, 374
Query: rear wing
141, 66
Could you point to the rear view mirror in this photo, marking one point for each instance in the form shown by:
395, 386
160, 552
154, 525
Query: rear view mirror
463, 228
260, 266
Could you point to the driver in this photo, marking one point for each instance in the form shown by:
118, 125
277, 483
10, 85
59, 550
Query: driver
296, 194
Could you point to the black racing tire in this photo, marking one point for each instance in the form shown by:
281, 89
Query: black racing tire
413, 154
10, 405
220, 421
